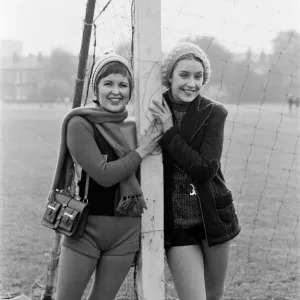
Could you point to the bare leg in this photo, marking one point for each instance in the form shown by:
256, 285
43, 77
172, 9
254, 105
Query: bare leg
187, 268
75, 271
110, 274
215, 266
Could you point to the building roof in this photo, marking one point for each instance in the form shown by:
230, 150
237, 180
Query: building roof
22, 63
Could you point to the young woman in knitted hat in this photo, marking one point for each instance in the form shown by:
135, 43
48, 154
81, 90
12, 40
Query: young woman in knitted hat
200, 218
100, 144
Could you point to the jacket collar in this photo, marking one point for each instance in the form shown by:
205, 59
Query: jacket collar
196, 115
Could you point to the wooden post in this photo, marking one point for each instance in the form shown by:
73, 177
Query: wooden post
84, 51
147, 57
52, 266
85, 43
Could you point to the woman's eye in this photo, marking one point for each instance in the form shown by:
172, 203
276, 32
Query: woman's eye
107, 84
184, 75
123, 85
198, 77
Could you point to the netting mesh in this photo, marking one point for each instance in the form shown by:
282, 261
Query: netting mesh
255, 74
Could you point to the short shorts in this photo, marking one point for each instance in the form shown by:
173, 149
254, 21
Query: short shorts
184, 236
107, 235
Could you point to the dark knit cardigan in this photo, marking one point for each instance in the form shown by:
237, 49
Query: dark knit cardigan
185, 208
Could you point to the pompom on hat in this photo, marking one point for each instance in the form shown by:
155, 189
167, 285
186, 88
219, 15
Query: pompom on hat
104, 60
178, 51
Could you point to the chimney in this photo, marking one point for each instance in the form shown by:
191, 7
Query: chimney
40, 57
15, 57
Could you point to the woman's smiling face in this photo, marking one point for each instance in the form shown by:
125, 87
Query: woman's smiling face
114, 92
186, 80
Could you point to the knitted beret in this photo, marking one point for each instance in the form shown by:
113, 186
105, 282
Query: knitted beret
104, 60
177, 52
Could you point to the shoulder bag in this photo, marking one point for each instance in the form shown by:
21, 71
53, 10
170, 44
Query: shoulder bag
67, 215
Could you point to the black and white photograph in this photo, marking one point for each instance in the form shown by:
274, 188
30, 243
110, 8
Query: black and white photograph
150, 150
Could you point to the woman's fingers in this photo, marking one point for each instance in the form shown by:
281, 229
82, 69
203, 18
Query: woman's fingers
158, 116
151, 126
161, 110
156, 110
159, 105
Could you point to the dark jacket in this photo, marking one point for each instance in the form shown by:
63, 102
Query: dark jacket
197, 149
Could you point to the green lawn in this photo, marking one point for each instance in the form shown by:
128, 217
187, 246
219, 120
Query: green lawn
261, 165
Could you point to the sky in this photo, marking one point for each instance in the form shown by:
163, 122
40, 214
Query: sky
238, 24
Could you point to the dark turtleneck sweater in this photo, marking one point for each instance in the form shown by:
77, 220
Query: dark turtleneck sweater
186, 209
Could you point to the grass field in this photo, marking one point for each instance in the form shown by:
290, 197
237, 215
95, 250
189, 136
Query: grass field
261, 165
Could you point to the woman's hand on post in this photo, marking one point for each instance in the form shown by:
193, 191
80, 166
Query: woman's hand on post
149, 142
163, 113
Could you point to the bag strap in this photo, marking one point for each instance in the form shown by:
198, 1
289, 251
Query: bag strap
86, 189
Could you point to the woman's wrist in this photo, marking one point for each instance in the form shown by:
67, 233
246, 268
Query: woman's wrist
141, 152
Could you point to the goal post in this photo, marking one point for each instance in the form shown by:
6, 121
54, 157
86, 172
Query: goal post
147, 57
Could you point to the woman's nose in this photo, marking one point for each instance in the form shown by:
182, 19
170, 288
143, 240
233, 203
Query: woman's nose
115, 90
191, 83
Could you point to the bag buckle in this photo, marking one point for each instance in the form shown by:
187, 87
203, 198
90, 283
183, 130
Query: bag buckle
52, 207
193, 192
68, 215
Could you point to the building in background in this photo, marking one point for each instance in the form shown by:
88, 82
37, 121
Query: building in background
19, 75
9, 47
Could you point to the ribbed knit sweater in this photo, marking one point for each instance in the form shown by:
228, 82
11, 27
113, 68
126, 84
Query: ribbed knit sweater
186, 208
87, 155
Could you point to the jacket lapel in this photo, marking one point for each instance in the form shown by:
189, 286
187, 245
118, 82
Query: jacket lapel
197, 114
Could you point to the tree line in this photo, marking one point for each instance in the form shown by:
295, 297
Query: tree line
236, 77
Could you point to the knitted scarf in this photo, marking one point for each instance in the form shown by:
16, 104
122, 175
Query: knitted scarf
132, 202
